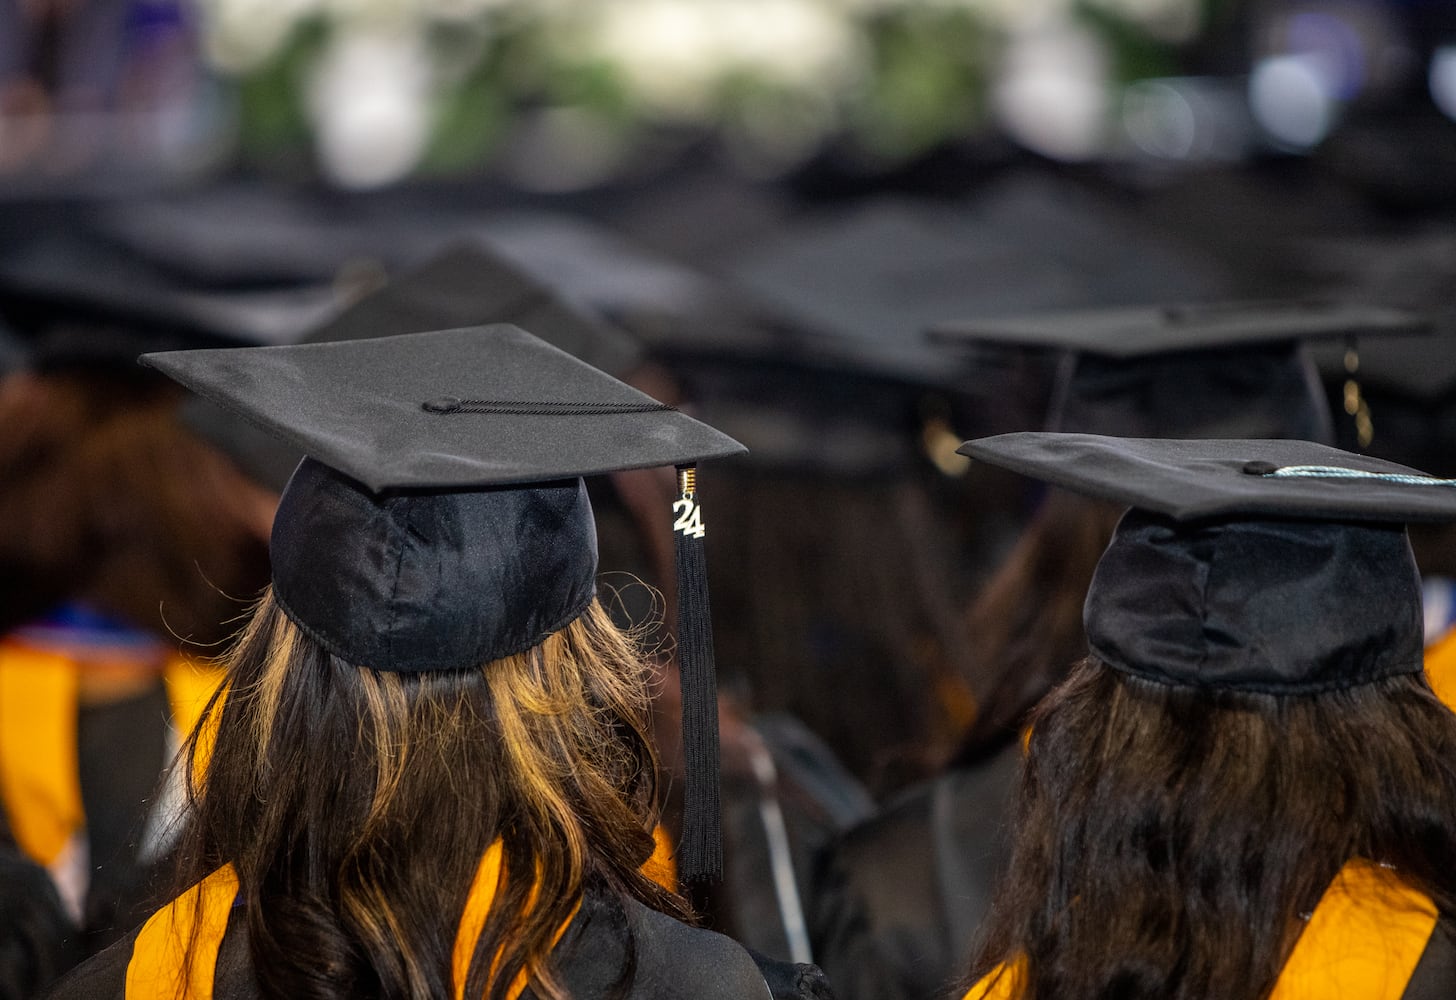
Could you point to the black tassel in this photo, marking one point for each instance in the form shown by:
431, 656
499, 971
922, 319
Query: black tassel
700, 855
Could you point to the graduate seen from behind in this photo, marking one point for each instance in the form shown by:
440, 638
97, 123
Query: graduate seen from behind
1247, 789
899, 898
428, 773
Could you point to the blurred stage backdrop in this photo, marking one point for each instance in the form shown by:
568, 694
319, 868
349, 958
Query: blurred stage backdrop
563, 95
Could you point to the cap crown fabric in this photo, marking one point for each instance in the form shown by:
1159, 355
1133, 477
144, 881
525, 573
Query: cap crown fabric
1266, 606
1268, 566
431, 581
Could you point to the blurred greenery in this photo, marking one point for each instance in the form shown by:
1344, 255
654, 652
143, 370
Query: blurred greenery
929, 77
274, 125
922, 77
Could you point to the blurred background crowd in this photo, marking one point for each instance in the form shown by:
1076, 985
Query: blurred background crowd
753, 209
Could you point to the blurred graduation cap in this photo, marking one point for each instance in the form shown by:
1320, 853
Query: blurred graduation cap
801, 402
1280, 567
78, 304
1229, 369
1406, 384
239, 236
440, 521
879, 273
469, 284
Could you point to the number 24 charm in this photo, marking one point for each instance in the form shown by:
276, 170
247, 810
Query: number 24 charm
689, 517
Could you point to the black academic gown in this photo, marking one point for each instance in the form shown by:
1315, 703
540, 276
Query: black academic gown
672, 962
898, 899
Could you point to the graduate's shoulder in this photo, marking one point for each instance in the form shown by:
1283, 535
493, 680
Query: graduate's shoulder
678, 960
100, 977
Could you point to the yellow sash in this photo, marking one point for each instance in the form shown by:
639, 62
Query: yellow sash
662, 866
1441, 668
1363, 941
158, 967
39, 782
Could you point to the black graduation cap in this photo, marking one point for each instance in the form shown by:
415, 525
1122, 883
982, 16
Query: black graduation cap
465, 285
440, 521
1223, 369
1270, 566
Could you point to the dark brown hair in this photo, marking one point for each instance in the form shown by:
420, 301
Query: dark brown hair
1028, 619
356, 805
1168, 839
831, 602
109, 499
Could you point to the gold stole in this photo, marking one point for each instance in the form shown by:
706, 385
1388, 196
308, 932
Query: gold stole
159, 969
1441, 668
197, 920
39, 782
1363, 940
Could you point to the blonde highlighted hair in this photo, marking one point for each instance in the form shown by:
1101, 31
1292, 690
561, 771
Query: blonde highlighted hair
357, 804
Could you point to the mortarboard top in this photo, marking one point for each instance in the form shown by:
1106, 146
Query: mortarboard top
466, 285
481, 406
81, 304
1189, 480
882, 271
1269, 566
1408, 384
1224, 369
236, 236
1139, 331
439, 521
470, 284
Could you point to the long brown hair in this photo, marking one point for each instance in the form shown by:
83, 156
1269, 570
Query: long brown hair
1168, 839
1028, 619
108, 498
356, 805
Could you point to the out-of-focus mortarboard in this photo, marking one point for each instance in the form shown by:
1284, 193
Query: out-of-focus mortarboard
439, 521
1407, 384
1231, 369
1280, 567
239, 236
878, 274
470, 284
79, 304
802, 402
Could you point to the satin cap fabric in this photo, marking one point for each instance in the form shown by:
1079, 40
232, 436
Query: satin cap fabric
1268, 566
1266, 606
